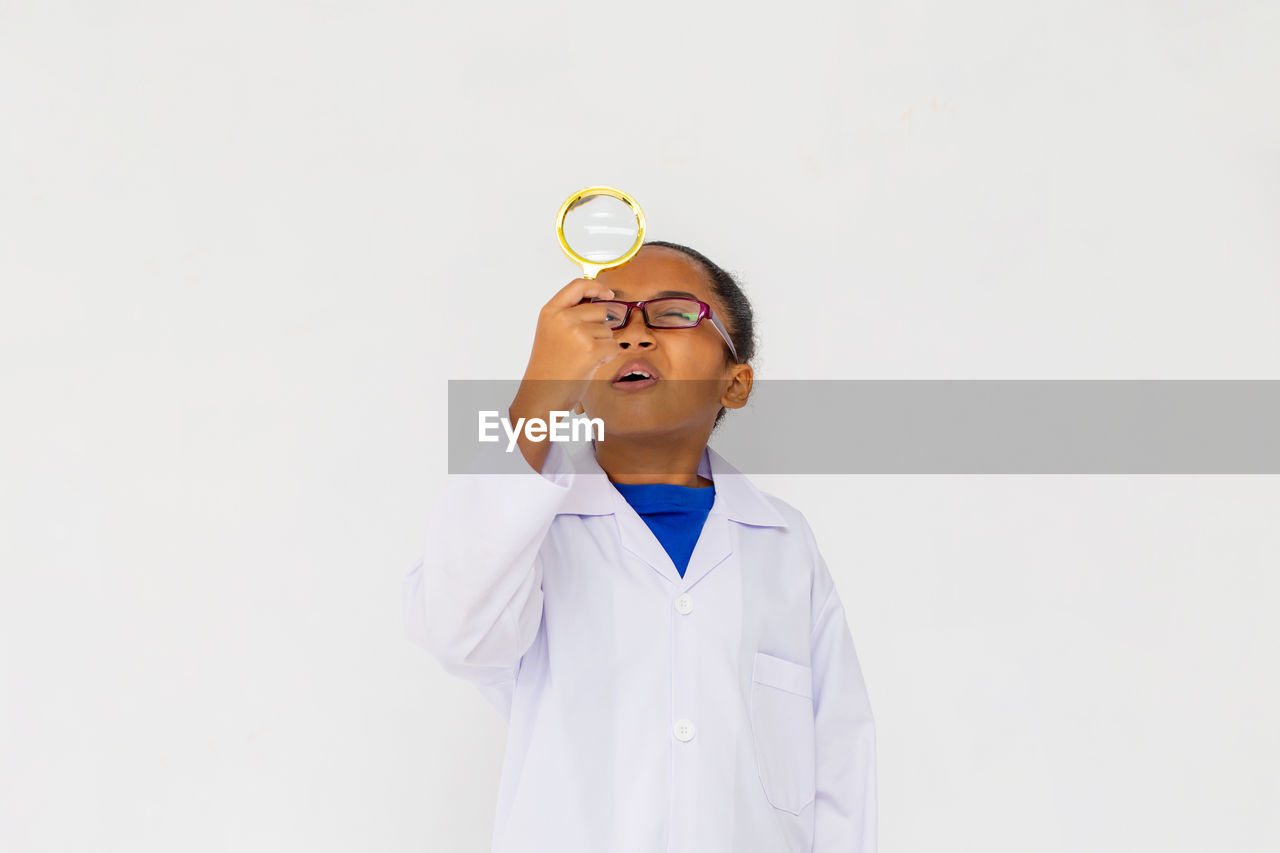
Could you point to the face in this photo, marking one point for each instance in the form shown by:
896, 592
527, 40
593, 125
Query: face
695, 374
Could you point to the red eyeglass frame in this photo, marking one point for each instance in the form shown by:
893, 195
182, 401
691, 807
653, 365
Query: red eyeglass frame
704, 313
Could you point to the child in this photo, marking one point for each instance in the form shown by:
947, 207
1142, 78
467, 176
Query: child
663, 639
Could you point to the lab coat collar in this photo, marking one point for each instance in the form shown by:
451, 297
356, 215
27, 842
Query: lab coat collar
591, 492
736, 499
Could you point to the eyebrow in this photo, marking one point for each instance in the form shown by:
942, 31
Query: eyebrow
661, 294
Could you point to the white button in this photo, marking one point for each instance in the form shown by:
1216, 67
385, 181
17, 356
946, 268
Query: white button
684, 730
684, 603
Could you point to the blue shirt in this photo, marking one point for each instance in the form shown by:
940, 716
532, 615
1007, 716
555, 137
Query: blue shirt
674, 513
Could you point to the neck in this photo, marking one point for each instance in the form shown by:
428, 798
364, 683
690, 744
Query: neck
636, 463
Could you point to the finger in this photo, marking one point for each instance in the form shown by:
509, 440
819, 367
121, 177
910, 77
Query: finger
592, 312
576, 291
602, 349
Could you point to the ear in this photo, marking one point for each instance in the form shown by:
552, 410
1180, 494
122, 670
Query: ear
735, 396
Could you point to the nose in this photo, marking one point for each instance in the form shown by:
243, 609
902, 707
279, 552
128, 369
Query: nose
635, 332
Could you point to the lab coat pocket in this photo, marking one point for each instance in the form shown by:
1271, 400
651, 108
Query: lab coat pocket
782, 727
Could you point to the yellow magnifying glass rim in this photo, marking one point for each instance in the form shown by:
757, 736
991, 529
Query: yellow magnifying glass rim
591, 268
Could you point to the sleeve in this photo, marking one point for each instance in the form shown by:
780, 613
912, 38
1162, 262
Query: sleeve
474, 600
845, 761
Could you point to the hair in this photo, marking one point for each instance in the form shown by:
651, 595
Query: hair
738, 317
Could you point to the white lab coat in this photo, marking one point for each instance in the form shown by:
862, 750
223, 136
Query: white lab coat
720, 712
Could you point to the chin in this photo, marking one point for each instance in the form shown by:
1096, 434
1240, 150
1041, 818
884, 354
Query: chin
631, 418
635, 426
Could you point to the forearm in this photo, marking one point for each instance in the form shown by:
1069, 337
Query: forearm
475, 598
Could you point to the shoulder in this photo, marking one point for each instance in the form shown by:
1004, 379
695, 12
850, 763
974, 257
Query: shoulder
797, 524
798, 529
798, 533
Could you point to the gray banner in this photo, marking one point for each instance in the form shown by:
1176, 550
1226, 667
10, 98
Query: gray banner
967, 426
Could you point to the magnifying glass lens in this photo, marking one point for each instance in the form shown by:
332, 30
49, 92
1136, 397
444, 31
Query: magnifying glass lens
601, 228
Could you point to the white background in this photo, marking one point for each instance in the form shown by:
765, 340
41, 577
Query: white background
244, 244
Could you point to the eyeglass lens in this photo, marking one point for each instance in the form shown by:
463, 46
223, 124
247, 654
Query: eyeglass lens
673, 313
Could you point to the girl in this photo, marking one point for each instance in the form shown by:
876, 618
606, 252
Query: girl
664, 639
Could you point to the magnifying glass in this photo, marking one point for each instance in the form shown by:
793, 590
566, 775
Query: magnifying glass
599, 228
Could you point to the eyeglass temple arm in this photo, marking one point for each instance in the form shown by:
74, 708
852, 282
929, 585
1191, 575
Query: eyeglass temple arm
724, 333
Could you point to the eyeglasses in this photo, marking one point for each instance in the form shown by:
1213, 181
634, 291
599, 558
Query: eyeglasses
669, 312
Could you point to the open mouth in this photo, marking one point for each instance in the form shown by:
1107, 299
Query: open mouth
635, 380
